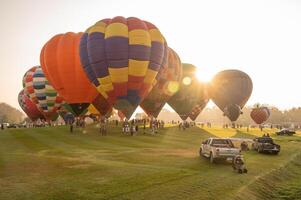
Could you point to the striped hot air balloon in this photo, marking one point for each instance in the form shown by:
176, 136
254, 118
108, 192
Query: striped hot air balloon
166, 86
122, 58
41, 92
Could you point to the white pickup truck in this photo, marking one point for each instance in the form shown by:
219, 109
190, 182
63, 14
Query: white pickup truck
218, 148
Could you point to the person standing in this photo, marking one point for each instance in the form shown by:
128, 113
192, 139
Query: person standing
144, 126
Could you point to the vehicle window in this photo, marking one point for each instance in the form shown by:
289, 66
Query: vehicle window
222, 143
265, 140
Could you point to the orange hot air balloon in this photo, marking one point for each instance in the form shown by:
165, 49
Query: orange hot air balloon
61, 64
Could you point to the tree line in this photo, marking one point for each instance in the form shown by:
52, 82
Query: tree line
215, 115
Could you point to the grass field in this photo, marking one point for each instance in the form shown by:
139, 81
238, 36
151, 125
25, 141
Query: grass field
51, 163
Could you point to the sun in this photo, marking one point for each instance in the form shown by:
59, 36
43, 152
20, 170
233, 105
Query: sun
203, 75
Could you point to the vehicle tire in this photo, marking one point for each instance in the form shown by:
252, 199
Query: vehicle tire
200, 152
211, 158
245, 171
240, 171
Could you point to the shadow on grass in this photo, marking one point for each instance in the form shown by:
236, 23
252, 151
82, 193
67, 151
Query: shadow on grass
243, 134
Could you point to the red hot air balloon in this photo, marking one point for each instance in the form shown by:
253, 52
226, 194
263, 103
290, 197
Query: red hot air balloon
29, 107
260, 114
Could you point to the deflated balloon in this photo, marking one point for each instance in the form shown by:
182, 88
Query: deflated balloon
166, 86
41, 93
61, 63
122, 58
191, 94
230, 91
29, 107
260, 114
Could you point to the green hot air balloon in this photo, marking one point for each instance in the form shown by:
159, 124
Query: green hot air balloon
191, 94
230, 91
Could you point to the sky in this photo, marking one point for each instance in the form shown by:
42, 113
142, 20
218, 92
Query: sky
259, 37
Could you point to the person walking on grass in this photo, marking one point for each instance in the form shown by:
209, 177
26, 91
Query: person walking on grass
103, 130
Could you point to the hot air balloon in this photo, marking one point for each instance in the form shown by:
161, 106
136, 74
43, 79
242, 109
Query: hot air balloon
77, 109
41, 93
29, 107
61, 63
260, 114
191, 95
122, 57
230, 91
199, 107
121, 115
92, 110
166, 86
102, 106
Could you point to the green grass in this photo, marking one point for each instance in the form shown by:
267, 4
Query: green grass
51, 163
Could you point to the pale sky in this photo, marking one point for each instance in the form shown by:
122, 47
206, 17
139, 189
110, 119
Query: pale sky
259, 37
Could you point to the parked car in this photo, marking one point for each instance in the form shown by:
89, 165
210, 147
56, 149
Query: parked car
12, 126
218, 148
286, 131
265, 145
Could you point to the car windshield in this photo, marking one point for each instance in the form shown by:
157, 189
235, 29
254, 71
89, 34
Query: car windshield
222, 143
265, 140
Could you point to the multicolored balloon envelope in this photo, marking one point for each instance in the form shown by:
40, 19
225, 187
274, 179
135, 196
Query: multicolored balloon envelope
41, 92
167, 85
122, 58
77, 109
92, 110
61, 63
260, 114
29, 107
102, 106
199, 107
192, 94
230, 91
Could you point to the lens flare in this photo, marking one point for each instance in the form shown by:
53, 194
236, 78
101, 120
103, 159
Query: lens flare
173, 87
186, 80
